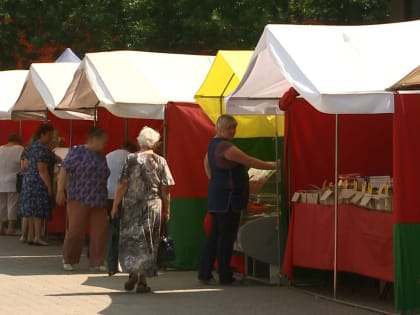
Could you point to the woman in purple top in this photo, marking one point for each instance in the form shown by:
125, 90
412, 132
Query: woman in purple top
86, 169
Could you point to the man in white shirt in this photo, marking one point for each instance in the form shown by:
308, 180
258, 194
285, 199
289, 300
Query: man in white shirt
115, 161
10, 155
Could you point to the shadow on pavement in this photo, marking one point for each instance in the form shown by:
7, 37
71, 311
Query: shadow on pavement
20, 259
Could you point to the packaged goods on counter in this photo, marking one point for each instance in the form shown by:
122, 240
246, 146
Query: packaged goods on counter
371, 192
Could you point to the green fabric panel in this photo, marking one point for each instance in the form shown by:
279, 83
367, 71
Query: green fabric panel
262, 148
407, 267
187, 231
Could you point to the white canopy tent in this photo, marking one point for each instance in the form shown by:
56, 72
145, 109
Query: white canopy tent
68, 56
134, 84
44, 87
337, 69
11, 83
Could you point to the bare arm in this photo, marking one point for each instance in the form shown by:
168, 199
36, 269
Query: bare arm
119, 194
166, 200
61, 187
207, 166
45, 176
236, 155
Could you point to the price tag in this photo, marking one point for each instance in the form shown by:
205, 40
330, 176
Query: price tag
326, 194
296, 197
357, 197
347, 193
365, 200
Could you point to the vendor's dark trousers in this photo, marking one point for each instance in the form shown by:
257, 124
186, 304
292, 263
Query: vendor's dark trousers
113, 240
219, 244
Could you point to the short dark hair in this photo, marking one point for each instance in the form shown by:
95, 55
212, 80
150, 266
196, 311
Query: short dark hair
226, 121
96, 132
129, 146
42, 130
15, 138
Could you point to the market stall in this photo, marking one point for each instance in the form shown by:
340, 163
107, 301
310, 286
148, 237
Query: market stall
348, 72
126, 90
311, 144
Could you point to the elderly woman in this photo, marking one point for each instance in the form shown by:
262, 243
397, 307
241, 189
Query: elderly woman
37, 194
228, 193
144, 189
88, 172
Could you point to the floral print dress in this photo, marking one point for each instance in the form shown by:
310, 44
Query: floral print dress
141, 212
34, 199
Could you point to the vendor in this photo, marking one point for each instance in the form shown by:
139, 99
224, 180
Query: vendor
228, 194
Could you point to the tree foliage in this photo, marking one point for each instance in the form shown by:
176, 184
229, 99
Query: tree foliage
28, 27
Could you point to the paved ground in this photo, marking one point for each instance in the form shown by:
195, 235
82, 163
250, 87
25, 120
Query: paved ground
32, 282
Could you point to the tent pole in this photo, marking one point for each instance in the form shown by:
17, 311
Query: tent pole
278, 194
95, 115
165, 112
336, 204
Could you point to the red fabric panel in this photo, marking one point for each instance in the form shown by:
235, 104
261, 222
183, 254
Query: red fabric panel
28, 129
7, 127
118, 128
57, 224
310, 140
115, 128
365, 145
406, 158
365, 240
189, 131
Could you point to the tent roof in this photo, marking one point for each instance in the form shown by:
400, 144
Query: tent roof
337, 69
227, 66
11, 83
224, 76
44, 87
68, 56
135, 84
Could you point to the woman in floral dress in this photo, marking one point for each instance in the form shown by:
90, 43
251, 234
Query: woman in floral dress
144, 191
37, 195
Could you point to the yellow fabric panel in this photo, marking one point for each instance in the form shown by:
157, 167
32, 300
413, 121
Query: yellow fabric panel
219, 75
224, 76
237, 60
259, 126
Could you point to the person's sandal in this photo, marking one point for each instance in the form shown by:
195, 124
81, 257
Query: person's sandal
131, 283
39, 243
143, 288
